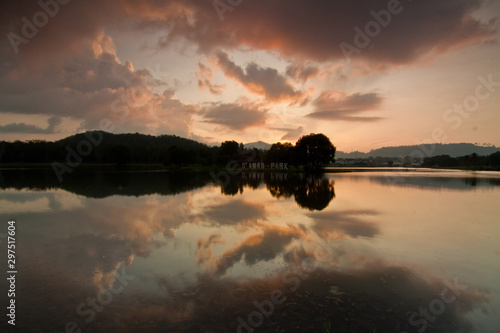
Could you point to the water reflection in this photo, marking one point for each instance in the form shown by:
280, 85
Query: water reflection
313, 191
277, 254
432, 182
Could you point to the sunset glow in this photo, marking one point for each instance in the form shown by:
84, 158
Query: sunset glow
367, 73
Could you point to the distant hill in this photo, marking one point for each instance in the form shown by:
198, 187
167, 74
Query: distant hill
259, 145
451, 149
135, 140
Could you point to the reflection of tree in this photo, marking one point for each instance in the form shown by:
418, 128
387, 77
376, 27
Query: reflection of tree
282, 188
313, 192
472, 181
236, 184
99, 183
233, 186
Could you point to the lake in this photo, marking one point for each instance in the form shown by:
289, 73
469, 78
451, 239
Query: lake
156, 251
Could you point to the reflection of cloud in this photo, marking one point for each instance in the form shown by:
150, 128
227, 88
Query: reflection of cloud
235, 212
88, 243
345, 223
378, 295
262, 246
204, 249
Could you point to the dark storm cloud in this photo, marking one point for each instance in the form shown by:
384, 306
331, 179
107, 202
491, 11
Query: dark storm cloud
294, 29
316, 30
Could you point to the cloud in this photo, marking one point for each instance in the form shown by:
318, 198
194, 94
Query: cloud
340, 100
52, 127
337, 105
204, 76
91, 86
315, 32
234, 116
293, 29
266, 82
342, 115
301, 72
292, 133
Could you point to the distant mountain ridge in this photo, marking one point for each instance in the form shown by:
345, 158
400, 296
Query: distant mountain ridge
259, 145
428, 150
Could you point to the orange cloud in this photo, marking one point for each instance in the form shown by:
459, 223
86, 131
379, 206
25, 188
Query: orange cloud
266, 82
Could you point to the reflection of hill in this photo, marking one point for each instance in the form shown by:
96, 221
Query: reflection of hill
437, 183
100, 184
313, 192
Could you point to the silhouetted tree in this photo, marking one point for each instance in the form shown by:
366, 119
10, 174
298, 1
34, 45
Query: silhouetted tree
314, 150
228, 151
280, 153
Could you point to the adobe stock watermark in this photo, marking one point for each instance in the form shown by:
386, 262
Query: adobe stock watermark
437, 306
121, 108
372, 29
232, 169
91, 305
221, 7
30, 28
454, 115
292, 277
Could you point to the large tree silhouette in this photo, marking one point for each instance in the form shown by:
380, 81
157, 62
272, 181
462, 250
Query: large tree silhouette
314, 151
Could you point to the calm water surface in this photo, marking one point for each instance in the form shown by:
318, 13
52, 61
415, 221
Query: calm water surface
170, 252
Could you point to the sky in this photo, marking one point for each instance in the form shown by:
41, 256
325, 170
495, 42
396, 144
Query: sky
366, 73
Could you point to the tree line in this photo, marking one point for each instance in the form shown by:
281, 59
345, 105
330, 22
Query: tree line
310, 151
472, 161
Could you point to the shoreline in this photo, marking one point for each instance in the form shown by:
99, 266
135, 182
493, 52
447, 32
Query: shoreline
193, 168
